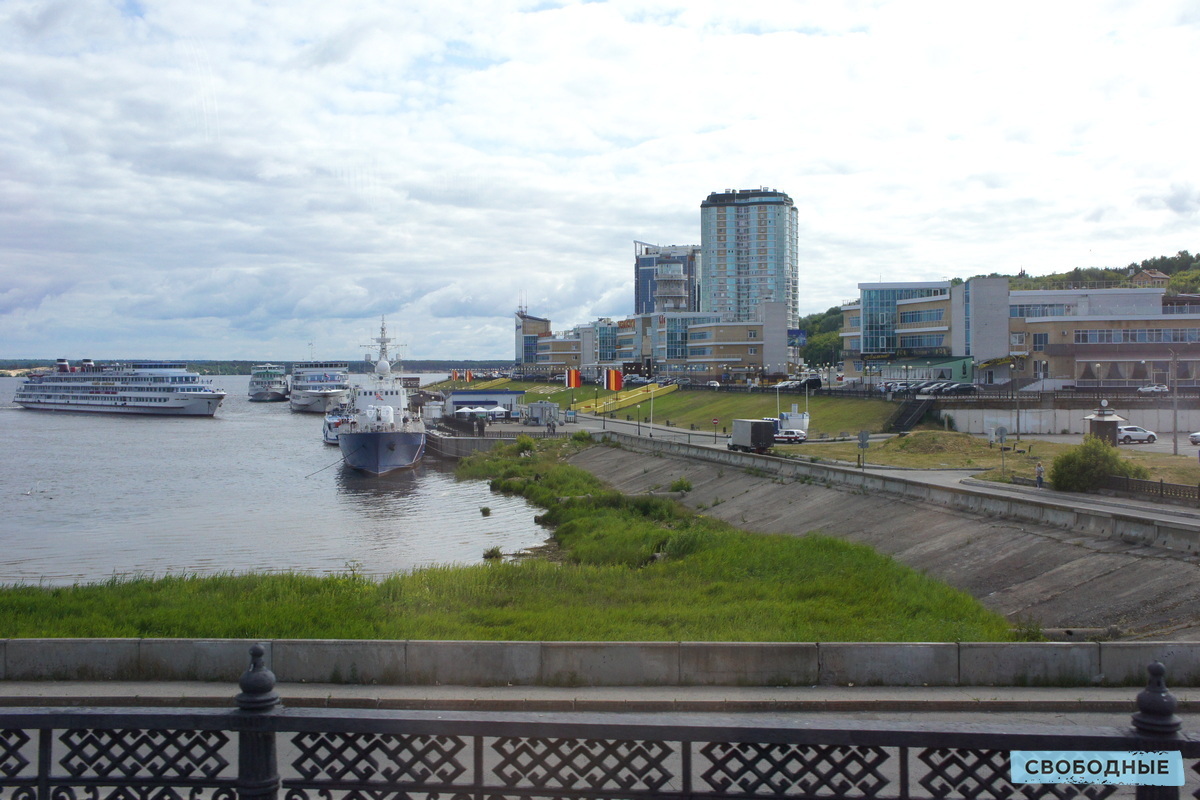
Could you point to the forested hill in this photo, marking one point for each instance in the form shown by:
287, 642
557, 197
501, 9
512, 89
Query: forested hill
1183, 269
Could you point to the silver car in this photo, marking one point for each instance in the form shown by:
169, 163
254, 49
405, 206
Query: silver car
1127, 434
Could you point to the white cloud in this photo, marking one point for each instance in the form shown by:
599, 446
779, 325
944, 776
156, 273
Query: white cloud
232, 180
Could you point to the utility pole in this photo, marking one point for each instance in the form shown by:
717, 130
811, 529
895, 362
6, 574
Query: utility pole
1174, 402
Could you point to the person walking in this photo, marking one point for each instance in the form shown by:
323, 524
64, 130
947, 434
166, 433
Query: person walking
1040, 472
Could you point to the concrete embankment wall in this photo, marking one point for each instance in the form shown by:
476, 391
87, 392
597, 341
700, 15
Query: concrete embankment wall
1126, 526
605, 664
1036, 420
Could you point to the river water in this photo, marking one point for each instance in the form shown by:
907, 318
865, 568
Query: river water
84, 497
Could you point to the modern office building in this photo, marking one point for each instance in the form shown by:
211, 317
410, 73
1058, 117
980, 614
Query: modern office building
980, 331
748, 253
529, 330
674, 262
675, 344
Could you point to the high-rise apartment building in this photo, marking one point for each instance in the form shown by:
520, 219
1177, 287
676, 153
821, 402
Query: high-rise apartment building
748, 253
673, 261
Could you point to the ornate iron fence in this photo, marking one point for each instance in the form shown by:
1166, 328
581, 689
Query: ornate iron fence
161, 754
1159, 488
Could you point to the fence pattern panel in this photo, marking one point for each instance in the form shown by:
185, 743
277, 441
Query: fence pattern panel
260, 750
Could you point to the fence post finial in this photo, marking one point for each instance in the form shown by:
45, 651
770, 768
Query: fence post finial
257, 684
1156, 705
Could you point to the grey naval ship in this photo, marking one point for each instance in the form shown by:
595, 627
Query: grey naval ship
381, 433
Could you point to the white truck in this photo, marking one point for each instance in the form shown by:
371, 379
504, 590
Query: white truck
752, 435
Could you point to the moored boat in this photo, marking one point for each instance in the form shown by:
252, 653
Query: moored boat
159, 388
268, 384
384, 432
334, 420
319, 386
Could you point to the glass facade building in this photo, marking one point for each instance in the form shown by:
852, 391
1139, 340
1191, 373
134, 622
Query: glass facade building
748, 250
879, 315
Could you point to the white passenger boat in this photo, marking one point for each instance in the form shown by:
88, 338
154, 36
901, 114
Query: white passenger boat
163, 388
334, 420
384, 433
319, 386
268, 383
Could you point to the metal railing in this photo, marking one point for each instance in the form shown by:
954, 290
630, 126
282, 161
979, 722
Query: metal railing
1159, 488
260, 749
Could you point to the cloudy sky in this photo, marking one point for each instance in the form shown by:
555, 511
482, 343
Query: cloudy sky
263, 180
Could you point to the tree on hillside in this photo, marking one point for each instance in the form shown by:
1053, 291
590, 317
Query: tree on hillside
824, 348
1186, 282
1170, 265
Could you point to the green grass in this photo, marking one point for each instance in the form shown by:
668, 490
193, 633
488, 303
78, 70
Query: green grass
687, 407
632, 569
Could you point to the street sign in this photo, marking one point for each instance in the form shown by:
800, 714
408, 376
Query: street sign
1001, 434
864, 440
715, 420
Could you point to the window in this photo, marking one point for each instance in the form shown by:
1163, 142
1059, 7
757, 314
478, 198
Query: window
1040, 340
752, 334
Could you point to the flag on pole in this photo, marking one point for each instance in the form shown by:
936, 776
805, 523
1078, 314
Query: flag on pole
470, 376
573, 379
453, 374
614, 381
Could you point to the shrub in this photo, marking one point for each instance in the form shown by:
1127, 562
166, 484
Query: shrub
583, 437
681, 485
1084, 468
492, 553
525, 444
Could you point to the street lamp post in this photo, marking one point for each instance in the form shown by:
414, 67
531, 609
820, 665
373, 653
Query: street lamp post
638, 407
652, 413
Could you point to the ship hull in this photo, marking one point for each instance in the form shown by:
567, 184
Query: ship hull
268, 397
379, 453
193, 408
317, 403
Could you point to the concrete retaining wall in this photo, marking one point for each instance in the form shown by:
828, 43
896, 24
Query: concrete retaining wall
1112, 524
1035, 420
607, 663
461, 446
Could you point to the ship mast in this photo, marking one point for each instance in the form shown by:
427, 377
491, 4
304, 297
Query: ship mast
382, 340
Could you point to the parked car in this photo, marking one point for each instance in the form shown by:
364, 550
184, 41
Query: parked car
790, 437
713, 384
1194, 438
1154, 388
1127, 434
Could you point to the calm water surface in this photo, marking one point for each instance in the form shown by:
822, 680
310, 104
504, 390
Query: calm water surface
86, 496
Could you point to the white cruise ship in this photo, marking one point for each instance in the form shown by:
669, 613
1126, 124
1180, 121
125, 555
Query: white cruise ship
319, 386
165, 388
268, 383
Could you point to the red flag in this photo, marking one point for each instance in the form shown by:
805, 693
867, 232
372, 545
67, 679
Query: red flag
614, 381
470, 376
573, 379
453, 374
